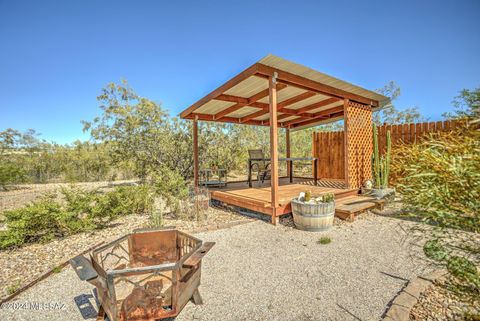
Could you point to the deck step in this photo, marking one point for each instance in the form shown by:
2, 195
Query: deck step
348, 207
346, 193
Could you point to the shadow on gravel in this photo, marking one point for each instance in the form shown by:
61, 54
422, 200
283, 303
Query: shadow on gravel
85, 306
350, 313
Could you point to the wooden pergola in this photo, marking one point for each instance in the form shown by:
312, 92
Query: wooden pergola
278, 93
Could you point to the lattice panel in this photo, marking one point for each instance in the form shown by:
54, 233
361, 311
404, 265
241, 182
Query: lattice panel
358, 119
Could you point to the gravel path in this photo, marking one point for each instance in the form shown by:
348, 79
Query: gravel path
20, 266
257, 271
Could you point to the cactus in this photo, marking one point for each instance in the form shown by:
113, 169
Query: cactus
381, 164
327, 198
308, 196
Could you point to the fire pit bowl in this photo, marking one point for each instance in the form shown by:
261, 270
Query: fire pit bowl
146, 275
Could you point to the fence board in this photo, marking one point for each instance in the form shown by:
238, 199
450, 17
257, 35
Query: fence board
329, 146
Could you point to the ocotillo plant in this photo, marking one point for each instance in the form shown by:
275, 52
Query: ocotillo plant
381, 164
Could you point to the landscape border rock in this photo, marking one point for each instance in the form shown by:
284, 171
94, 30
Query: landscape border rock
407, 298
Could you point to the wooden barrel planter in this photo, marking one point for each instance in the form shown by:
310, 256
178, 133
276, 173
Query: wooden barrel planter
313, 217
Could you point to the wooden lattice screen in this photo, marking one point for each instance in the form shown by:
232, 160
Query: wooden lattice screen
359, 143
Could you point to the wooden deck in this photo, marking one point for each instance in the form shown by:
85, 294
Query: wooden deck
258, 198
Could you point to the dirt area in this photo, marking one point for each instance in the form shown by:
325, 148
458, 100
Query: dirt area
20, 195
437, 303
257, 271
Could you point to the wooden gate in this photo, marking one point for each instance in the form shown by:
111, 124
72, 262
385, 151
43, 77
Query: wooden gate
328, 147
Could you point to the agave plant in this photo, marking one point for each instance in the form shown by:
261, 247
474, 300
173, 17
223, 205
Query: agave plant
381, 164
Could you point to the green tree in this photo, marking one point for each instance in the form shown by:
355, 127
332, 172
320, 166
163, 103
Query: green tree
390, 114
14, 145
466, 104
136, 129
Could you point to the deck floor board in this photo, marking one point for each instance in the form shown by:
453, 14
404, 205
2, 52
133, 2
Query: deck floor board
259, 198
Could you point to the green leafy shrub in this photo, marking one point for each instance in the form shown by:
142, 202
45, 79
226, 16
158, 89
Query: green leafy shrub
463, 269
170, 186
122, 201
10, 173
48, 218
39, 221
434, 250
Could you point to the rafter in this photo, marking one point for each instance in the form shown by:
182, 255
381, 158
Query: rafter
250, 71
324, 114
308, 84
233, 99
254, 115
281, 106
296, 120
242, 101
315, 120
328, 111
295, 99
318, 105
208, 117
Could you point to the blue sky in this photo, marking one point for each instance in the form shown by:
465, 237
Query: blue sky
56, 56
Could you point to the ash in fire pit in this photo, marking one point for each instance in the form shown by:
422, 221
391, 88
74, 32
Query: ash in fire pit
147, 275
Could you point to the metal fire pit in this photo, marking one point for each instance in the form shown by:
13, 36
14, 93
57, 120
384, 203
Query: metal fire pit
145, 275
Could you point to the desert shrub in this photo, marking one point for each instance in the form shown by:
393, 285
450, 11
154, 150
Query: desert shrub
10, 173
49, 218
122, 201
440, 178
170, 186
39, 221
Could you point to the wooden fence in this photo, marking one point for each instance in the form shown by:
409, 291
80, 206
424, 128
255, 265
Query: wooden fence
329, 148
411, 133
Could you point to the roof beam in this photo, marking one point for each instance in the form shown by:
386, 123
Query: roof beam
250, 71
208, 117
242, 102
297, 120
295, 99
254, 115
315, 120
233, 99
328, 111
308, 84
281, 106
324, 114
318, 105
283, 116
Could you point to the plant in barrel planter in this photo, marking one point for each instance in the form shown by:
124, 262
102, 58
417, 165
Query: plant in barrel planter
313, 214
380, 168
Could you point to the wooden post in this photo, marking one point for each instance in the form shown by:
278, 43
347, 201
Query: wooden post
272, 85
287, 143
345, 140
195, 152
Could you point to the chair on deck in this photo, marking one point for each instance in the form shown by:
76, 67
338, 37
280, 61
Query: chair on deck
262, 167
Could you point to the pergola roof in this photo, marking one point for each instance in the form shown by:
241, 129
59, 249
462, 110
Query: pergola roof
306, 97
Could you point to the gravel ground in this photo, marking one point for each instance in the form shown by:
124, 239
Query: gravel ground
20, 266
439, 304
257, 271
